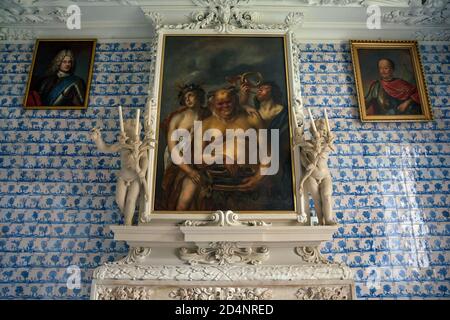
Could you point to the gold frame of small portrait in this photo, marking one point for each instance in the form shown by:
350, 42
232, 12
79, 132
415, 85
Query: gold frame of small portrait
412, 46
88, 82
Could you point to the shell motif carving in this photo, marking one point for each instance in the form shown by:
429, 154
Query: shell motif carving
221, 253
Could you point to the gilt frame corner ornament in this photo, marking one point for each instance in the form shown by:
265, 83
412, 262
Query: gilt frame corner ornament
223, 18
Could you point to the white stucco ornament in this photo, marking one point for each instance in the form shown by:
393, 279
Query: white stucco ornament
224, 16
316, 178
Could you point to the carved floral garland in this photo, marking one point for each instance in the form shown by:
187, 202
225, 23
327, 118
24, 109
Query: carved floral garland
123, 293
324, 293
217, 293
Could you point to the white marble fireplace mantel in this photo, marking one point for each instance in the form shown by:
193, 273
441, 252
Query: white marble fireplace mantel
223, 262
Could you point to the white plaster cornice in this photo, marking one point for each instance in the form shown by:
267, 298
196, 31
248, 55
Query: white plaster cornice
434, 12
442, 35
17, 34
310, 19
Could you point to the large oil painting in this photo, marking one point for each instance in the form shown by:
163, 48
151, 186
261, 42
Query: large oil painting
224, 130
390, 82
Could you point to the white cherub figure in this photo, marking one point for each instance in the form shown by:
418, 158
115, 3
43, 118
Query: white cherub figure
131, 182
316, 178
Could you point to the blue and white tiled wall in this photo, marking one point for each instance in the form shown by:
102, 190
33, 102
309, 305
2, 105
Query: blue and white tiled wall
391, 180
57, 192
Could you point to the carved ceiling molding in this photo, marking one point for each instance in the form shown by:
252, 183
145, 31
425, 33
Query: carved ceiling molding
40, 12
430, 13
443, 35
26, 12
332, 2
221, 253
224, 16
17, 34
356, 3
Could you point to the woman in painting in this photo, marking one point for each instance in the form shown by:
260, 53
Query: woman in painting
389, 95
268, 103
60, 86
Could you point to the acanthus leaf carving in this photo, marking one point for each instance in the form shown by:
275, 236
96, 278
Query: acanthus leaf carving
123, 293
224, 16
311, 255
134, 255
221, 293
324, 293
195, 294
418, 13
221, 253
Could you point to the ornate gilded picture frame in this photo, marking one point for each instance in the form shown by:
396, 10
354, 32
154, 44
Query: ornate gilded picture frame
390, 82
60, 74
212, 64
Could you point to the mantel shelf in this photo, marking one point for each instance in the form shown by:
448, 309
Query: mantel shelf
166, 235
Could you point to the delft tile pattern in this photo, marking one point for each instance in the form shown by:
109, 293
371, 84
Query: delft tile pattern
391, 180
57, 192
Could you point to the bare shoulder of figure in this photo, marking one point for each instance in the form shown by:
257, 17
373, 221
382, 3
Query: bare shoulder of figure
176, 119
207, 122
192, 113
255, 120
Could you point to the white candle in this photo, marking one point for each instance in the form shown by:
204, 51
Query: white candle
149, 105
122, 129
312, 120
137, 122
326, 120
302, 204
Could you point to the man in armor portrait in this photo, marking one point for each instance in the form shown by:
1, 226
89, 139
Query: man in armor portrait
59, 86
390, 95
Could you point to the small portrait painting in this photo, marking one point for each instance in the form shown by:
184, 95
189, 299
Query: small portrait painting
60, 74
390, 82
224, 138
